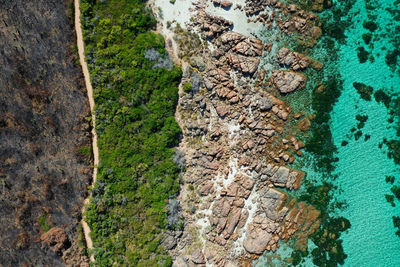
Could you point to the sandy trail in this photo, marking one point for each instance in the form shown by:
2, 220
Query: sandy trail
89, 88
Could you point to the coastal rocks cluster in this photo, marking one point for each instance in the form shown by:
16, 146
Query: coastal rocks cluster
290, 18
236, 149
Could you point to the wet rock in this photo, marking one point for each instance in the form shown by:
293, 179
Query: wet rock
288, 81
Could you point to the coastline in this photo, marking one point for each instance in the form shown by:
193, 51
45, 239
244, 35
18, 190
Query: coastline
206, 189
253, 108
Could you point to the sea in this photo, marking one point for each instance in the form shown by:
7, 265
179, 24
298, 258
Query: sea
363, 162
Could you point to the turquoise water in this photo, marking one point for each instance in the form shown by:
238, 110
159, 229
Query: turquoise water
363, 163
362, 166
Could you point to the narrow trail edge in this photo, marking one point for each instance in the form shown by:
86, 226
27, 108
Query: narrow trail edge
89, 88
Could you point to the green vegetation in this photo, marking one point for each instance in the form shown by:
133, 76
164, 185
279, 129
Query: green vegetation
361, 120
391, 58
320, 143
365, 91
329, 250
85, 150
44, 224
187, 87
135, 106
357, 135
396, 191
394, 149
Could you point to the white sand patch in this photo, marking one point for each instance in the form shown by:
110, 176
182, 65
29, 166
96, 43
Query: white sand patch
233, 129
237, 16
233, 171
180, 13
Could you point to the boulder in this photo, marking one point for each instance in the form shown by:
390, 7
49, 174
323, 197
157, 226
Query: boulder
256, 240
198, 257
247, 65
222, 111
288, 81
169, 242
233, 220
294, 60
226, 4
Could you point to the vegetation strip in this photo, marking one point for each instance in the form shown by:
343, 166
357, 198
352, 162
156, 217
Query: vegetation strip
135, 94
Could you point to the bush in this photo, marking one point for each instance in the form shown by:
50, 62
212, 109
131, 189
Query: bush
136, 94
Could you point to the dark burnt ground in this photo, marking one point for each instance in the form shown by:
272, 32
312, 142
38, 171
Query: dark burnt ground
44, 173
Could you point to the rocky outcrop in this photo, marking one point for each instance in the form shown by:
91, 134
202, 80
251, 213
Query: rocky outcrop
213, 26
294, 60
237, 149
282, 176
243, 64
288, 81
256, 240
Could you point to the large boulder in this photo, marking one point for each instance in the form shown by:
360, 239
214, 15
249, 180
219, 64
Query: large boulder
288, 81
247, 65
294, 60
256, 240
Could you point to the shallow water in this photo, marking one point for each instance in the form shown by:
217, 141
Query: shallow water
362, 166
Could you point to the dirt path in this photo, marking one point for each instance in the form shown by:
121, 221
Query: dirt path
89, 88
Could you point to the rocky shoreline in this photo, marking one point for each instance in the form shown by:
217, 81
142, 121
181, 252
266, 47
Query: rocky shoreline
236, 148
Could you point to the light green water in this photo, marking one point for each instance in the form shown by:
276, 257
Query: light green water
362, 166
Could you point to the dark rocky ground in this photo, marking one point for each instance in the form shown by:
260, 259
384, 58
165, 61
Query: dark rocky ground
43, 110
